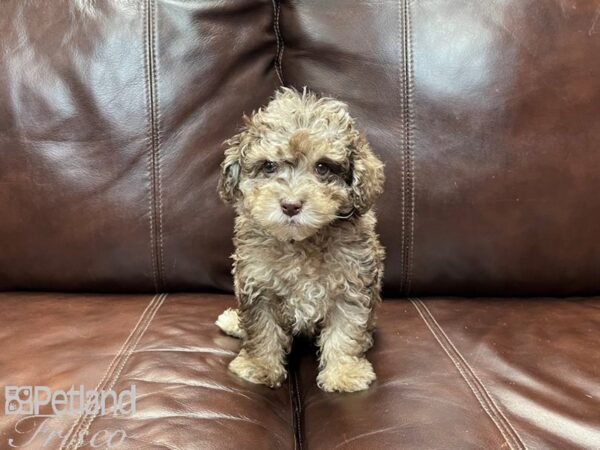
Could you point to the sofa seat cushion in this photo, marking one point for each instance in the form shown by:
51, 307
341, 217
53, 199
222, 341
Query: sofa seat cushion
468, 373
167, 346
452, 373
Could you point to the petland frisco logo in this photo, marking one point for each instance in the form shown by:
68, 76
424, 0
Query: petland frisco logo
30, 400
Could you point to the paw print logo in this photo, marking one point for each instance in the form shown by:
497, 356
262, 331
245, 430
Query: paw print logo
18, 400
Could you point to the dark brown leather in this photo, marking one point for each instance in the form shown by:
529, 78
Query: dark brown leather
469, 373
452, 373
486, 114
488, 117
111, 123
168, 347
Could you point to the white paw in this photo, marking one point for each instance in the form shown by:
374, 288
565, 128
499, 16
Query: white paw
256, 371
229, 323
347, 376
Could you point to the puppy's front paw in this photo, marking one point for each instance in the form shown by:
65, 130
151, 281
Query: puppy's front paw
257, 370
347, 376
229, 323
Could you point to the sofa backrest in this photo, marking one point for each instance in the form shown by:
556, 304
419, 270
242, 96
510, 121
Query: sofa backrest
112, 114
487, 115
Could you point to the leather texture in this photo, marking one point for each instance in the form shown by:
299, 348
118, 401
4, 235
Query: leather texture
487, 115
167, 346
112, 118
111, 124
468, 373
452, 373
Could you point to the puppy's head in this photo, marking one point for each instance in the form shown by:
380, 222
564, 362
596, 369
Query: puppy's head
298, 165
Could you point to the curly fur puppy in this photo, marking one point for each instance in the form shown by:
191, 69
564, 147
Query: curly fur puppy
307, 258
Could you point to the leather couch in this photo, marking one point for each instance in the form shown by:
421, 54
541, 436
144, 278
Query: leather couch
114, 247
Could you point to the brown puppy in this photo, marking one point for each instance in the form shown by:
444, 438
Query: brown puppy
307, 258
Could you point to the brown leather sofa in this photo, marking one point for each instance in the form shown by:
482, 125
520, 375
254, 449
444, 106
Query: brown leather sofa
114, 247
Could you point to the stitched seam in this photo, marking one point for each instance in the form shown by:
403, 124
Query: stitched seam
280, 43
297, 410
77, 439
402, 83
292, 388
474, 383
291, 395
150, 148
157, 126
464, 360
465, 377
403, 101
407, 159
77, 423
90, 420
154, 144
411, 124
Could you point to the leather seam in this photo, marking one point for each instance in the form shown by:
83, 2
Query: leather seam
402, 83
291, 395
482, 395
411, 125
76, 425
296, 408
298, 411
90, 420
154, 144
158, 122
74, 437
280, 43
150, 149
407, 157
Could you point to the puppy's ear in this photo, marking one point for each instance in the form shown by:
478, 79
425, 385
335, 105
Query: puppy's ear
230, 169
367, 175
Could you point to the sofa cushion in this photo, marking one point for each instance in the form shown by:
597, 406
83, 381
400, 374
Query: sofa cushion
112, 116
452, 373
468, 373
487, 115
166, 346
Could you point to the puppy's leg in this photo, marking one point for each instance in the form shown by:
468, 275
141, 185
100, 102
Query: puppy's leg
229, 323
264, 346
343, 341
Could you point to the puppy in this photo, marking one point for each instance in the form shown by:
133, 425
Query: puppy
307, 259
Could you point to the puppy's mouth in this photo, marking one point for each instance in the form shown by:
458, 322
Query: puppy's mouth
295, 228
272, 219
294, 221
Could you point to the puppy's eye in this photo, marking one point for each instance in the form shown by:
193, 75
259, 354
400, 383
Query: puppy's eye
269, 167
322, 169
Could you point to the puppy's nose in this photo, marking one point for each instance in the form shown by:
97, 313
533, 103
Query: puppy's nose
291, 209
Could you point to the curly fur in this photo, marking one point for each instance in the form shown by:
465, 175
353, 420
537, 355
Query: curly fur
318, 272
